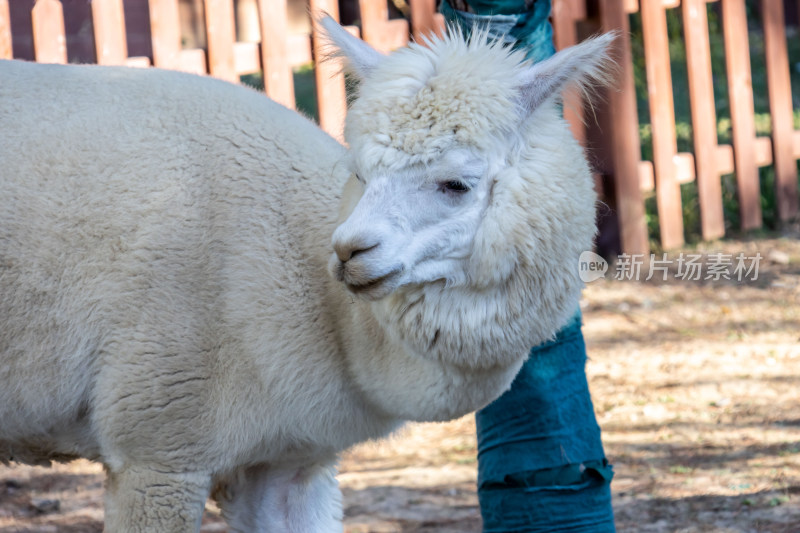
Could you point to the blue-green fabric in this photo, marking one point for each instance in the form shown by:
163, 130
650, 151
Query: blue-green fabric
508, 21
541, 464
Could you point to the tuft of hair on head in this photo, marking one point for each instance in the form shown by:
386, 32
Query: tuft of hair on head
360, 59
478, 37
587, 65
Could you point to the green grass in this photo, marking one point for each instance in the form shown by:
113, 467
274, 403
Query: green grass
305, 88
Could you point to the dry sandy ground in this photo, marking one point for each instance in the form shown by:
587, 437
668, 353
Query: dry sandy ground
696, 386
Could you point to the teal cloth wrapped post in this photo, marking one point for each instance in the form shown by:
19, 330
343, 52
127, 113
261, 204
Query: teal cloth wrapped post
508, 21
541, 464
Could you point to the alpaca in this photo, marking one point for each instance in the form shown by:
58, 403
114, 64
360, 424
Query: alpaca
181, 301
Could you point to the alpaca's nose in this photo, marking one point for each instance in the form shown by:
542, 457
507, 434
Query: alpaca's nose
348, 249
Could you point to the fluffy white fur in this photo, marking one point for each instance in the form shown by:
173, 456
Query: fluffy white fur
166, 305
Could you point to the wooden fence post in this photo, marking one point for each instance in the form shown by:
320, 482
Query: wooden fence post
6, 49
425, 20
704, 118
331, 96
165, 33
780, 108
662, 120
625, 135
221, 34
49, 41
740, 93
278, 80
376, 29
565, 14
108, 21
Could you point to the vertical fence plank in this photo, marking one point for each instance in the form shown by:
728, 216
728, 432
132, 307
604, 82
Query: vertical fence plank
625, 135
662, 118
704, 118
221, 34
331, 98
278, 80
49, 41
108, 20
165, 33
424, 19
6, 49
248, 21
780, 108
740, 92
376, 28
373, 13
422, 23
565, 14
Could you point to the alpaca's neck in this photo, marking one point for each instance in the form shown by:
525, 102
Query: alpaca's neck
407, 370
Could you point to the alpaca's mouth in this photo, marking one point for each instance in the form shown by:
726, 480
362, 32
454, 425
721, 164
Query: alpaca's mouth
368, 288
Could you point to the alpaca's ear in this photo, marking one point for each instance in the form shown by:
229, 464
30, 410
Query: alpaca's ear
584, 65
361, 58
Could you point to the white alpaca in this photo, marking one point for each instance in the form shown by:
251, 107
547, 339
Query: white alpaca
165, 242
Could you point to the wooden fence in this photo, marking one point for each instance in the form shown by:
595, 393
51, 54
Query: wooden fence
615, 135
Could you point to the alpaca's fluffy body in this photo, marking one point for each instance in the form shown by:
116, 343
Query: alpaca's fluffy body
164, 301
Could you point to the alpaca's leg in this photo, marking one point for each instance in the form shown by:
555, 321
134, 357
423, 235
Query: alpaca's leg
264, 499
141, 499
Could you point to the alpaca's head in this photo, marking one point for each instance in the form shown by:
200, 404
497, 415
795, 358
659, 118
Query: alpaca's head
462, 169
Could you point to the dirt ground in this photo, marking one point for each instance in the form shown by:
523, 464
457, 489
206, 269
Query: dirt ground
696, 385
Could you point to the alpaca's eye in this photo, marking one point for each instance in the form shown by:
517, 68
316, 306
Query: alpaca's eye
360, 179
455, 186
